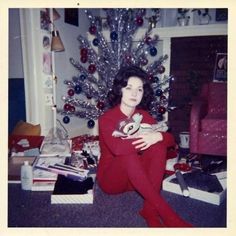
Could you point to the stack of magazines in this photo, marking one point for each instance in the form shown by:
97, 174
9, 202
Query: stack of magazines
68, 171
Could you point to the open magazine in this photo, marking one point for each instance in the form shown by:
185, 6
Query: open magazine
50, 167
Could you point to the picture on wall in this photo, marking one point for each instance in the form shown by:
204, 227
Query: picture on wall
221, 14
72, 16
46, 42
47, 63
44, 20
220, 70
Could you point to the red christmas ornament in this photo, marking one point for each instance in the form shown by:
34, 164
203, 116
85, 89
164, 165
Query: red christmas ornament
91, 68
67, 107
128, 58
84, 59
144, 61
100, 105
139, 21
71, 92
161, 69
161, 110
150, 78
182, 166
83, 51
72, 109
92, 29
148, 40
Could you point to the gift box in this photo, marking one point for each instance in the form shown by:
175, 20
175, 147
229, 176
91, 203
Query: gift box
67, 191
24, 145
203, 193
79, 141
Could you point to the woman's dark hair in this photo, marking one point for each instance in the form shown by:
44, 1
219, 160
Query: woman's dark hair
121, 80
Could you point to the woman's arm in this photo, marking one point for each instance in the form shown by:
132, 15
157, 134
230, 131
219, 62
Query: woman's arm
145, 140
119, 146
167, 138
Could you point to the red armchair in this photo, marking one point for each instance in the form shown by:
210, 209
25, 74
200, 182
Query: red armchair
208, 121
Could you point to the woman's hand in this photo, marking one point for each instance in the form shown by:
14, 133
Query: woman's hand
145, 140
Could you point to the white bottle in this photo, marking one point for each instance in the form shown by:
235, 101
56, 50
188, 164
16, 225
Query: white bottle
26, 176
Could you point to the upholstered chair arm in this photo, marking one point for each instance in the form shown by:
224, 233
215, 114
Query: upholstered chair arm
198, 111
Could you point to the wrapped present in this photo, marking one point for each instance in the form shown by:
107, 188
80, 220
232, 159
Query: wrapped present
79, 141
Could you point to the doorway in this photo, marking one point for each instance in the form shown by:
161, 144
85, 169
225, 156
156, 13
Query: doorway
192, 65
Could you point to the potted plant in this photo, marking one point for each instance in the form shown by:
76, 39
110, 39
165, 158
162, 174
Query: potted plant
183, 18
203, 16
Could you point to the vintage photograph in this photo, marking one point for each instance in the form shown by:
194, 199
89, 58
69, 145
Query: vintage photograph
118, 118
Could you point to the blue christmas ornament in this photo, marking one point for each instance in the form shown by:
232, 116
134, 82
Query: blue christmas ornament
160, 117
82, 77
95, 42
153, 51
156, 79
66, 119
91, 124
159, 92
78, 89
113, 35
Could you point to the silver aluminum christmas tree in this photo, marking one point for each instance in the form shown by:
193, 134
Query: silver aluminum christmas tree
87, 93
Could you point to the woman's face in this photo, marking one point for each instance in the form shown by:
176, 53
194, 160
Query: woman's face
132, 94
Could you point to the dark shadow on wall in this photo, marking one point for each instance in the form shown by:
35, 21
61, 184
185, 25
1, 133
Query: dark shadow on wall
16, 102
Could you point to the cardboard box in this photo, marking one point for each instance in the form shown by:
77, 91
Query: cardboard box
43, 186
212, 198
14, 167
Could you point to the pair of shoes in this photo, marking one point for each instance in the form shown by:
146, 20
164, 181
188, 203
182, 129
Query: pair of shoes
152, 220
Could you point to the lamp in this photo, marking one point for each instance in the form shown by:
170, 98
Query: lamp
56, 42
56, 45
55, 14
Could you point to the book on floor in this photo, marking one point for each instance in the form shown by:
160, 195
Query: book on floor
68, 191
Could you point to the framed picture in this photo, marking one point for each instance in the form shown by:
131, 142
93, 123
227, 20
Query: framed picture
44, 20
72, 16
46, 42
221, 14
220, 70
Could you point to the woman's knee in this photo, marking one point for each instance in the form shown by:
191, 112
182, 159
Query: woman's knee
109, 187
